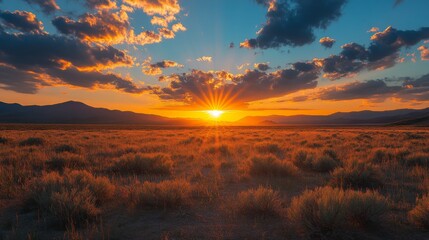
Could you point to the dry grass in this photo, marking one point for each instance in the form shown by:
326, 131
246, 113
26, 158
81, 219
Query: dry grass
326, 212
357, 175
212, 183
258, 202
271, 166
419, 215
165, 195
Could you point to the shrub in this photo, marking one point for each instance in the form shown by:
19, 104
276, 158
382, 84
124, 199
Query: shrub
419, 215
65, 148
325, 163
3, 140
64, 161
418, 159
259, 202
271, 166
357, 175
74, 198
268, 148
144, 164
165, 194
32, 142
327, 211
382, 155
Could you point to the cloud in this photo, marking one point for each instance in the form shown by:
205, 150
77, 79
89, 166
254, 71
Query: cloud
178, 27
107, 27
166, 33
374, 29
103, 27
327, 42
29, 61
156, 68
261, 66
409, 89
101, 4
156, 7
21, 21
47, 6
225, 90
292, 22
391, 40
358, 90
382, 53
424, 53
204, 59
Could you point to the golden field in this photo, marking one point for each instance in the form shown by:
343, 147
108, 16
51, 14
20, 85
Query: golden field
71, 182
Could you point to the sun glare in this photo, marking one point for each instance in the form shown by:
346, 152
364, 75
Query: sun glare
215, 113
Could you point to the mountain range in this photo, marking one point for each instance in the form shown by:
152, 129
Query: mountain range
72, 112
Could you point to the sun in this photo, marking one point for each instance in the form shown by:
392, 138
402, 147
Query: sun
215, 113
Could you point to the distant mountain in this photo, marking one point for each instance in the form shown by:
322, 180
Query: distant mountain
79, 113
342, 118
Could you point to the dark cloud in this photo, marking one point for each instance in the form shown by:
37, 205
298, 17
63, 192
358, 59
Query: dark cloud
391, 40
222, 89
21, 21
292, 22
29, 61
404, 89
156, 68
47, 6
104, 26
327, 42
262, 66
382, 53
18, 81
358, 90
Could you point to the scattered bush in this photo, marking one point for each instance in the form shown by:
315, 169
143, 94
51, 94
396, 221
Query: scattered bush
357, 175
32, 142
3, 140
324, 212
65, 148
74, 198
259, 202
144, 164
165, 194
271, 166
72, 161
419, 215
418, 159
325, 163
381, 156
272, 148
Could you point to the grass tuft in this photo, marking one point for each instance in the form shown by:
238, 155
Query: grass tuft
259, 202
144, 164
271, 166
357, 175
324, 212
32, 141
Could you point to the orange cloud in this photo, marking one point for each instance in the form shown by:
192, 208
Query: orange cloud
102, 27
156, 7
156, 68
204, 59
424, 53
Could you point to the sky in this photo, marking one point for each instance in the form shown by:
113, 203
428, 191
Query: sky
180, 58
